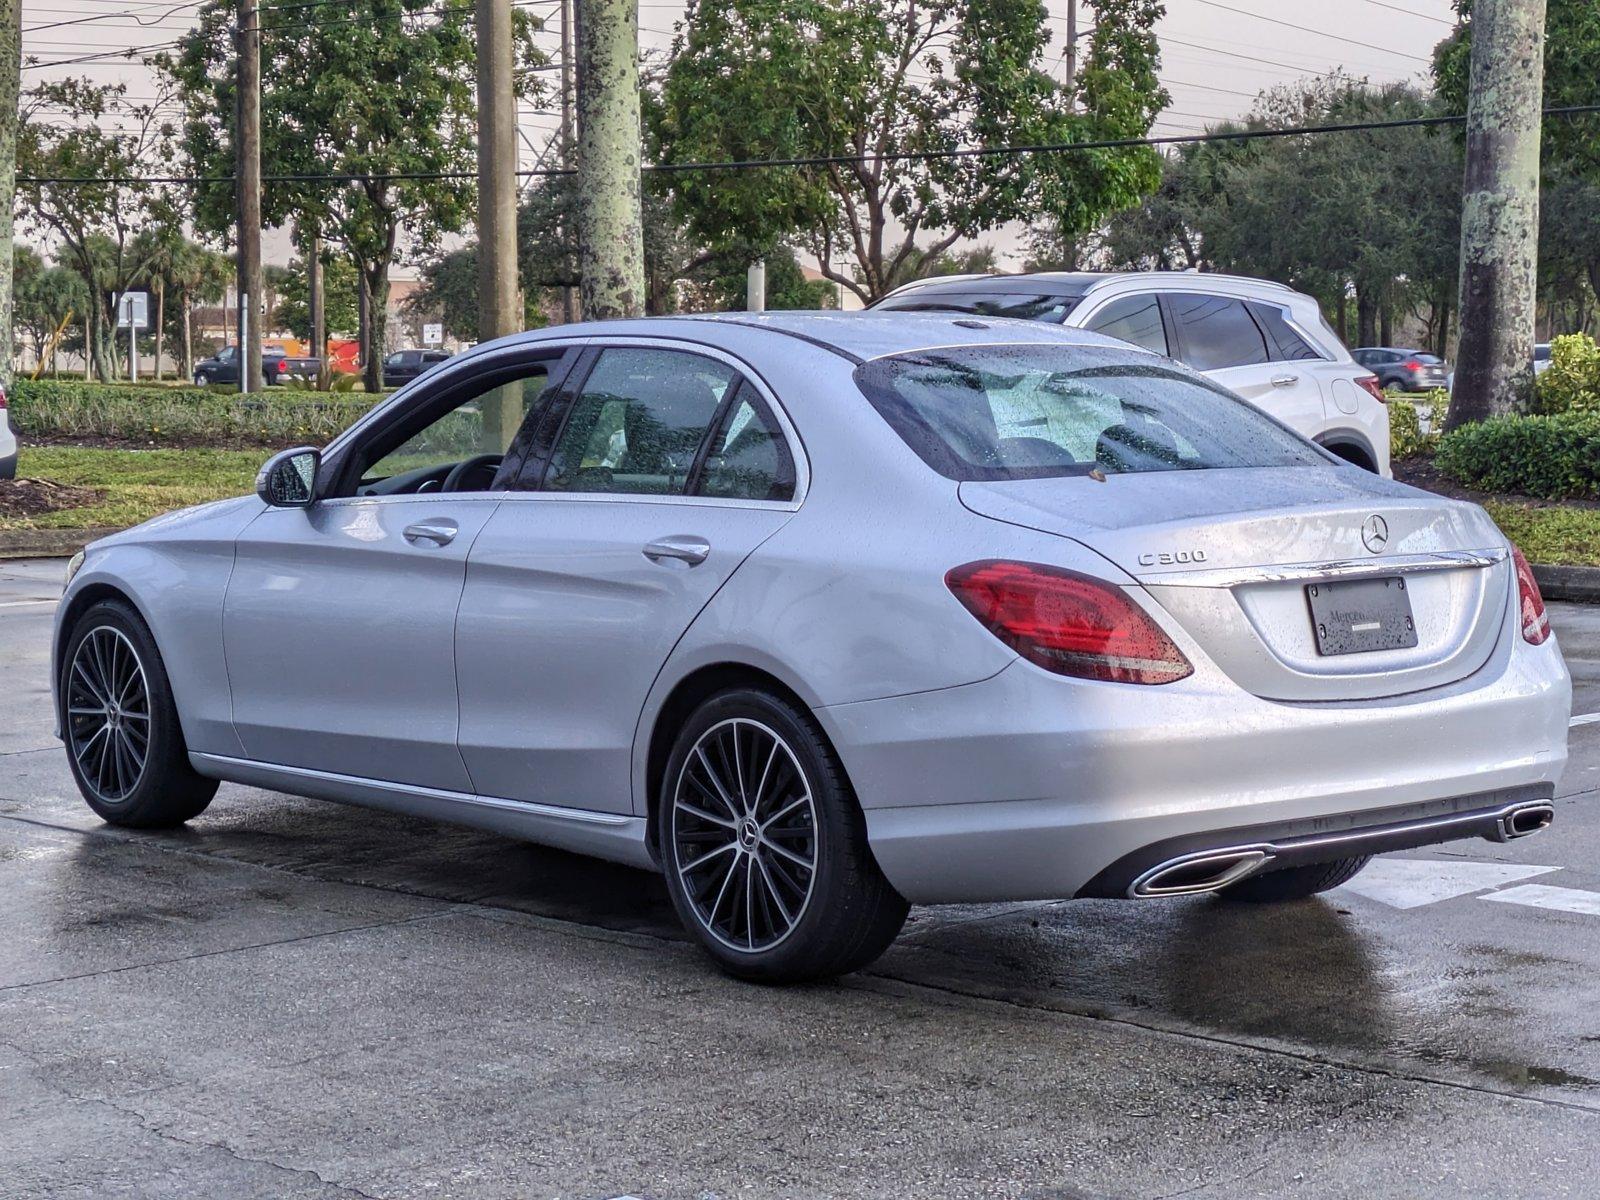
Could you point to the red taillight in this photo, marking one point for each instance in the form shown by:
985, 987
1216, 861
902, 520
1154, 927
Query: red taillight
1412, 364
1068, 623
1370, 382
2, 395
1534, 620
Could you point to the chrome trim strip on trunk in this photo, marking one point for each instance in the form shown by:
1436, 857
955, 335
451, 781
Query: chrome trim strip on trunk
1399, 564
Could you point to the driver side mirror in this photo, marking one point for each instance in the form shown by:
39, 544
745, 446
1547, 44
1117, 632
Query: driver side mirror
289, 480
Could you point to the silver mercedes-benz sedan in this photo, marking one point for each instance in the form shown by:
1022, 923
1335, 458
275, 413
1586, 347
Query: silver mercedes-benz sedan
823, 615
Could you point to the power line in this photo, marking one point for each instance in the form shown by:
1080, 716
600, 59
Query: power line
1229, 135
1244, 12
1410, 12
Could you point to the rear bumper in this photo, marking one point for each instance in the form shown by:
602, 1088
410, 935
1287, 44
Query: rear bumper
1026, 786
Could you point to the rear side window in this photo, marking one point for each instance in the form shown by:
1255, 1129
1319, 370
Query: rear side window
1020, 305
637, 424
1286, 344
1217, 332
748, 458
1135, 319
1030, 412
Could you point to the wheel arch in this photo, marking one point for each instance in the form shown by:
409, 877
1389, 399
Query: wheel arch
1351, 446
681, 701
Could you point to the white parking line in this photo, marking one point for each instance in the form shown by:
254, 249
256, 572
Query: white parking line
27, 603
1412, 882
1584, 719
1542, 895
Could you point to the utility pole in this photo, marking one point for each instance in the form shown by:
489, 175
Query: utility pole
497, 207
1500, 211
1070, 58
10, 97
319, 304
247, 171
755, 286
610, 221
569, 301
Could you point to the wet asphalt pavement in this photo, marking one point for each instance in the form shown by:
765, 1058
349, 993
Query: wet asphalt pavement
294, 999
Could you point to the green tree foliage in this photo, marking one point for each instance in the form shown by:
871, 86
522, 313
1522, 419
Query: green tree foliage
46, 296
81, 148
340, 297
369, 99
782, 79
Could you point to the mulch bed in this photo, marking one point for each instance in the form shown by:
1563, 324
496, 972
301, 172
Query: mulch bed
1420, 472
35, 497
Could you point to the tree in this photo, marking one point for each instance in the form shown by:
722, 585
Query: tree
881, 84
48, 297
370, 106
194, 275
719, 285
81, 172
340, 297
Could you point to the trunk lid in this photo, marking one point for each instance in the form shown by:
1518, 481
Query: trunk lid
1230, 555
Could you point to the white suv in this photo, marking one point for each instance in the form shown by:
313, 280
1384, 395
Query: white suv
8, 441
1259, 339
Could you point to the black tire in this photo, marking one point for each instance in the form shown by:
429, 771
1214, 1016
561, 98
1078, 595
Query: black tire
1295, 883
161, 789
201, 379
848, 913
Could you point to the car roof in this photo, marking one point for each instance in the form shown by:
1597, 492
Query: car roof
1077, 282
856, 335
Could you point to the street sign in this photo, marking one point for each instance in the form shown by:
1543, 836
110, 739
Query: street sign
433, 335
133, 310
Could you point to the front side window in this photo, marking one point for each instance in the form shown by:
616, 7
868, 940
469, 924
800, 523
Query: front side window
480, 426
748, 458
1029, 412
1135, 319
225, 355
637, 424
1217, 332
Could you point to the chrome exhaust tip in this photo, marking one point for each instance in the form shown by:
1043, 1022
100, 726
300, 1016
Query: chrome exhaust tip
1194, 874
1523, 820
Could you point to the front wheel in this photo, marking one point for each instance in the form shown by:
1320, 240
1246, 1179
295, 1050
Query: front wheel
765, 848
124, 744
201, 379
1295, 883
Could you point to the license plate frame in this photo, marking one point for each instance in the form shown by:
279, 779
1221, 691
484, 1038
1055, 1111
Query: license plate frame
1361, 616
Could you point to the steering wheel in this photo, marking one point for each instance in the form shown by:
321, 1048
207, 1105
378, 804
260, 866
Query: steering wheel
452, 481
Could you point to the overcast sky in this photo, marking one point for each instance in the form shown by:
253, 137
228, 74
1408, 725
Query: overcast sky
1216, 54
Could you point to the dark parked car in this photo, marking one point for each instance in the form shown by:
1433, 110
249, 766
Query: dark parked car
1404, 370
405, 365
276, 367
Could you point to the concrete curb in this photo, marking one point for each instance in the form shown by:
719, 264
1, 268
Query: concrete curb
1578, 584
49, 543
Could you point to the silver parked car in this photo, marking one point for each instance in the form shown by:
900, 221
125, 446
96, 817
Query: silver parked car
823, 615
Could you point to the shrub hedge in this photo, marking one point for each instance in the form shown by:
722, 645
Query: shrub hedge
1554, 457
185, 416
1571, 383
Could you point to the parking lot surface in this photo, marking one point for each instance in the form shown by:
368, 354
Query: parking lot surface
290, 998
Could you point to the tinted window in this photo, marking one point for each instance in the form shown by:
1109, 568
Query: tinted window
1287, 345
748, 458
1430, 359
1135, 319
1217, 332
637, 425
1021, 412
1541, 353
1021, 305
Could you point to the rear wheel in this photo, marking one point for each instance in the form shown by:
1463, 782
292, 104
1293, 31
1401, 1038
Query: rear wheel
765, 848
124, 744
1295, 883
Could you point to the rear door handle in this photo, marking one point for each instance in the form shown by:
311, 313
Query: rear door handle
692, 550
1285, 380
440, 533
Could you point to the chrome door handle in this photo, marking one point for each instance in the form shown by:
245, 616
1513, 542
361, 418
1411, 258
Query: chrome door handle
440, 533
1285, 380
691, 550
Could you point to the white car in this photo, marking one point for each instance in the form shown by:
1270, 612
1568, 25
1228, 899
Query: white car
1261, 340
8, 441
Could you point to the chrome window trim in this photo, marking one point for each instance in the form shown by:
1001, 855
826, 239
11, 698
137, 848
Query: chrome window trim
1400, 564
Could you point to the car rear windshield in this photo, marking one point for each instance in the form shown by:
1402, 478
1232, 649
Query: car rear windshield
1037, 411
1051, 308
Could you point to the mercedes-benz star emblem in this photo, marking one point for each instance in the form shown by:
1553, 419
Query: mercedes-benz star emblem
1375, 533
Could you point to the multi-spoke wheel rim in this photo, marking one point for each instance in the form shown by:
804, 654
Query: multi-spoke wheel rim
744, 832
108, 713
